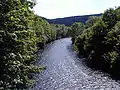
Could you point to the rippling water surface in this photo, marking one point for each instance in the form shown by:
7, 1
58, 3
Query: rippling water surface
65, 71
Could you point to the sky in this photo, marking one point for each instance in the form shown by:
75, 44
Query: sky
64, 8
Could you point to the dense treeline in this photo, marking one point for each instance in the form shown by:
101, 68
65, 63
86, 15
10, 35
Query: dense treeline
22, 33
76, 29
99, 41
68, 21
61, 30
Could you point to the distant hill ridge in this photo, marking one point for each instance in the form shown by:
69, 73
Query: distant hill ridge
70, 20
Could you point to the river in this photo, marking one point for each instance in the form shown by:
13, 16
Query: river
66, 71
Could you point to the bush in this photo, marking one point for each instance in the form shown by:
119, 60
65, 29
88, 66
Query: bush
100, 42
21, 32
76, 30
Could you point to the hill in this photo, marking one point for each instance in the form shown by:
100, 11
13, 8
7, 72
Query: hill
70, 20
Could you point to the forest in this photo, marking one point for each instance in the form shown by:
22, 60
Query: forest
98, 40
22, 35
68, 21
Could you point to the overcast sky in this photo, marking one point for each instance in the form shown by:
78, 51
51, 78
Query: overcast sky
64, 8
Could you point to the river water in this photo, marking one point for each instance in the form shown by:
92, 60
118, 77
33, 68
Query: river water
66, 71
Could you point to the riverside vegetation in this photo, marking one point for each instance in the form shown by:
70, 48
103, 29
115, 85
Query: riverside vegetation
98, 40
22, 34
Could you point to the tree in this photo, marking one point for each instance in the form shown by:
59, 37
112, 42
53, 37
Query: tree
20, 33
61, 30
91, 21
76, 30
110, 18
100, 42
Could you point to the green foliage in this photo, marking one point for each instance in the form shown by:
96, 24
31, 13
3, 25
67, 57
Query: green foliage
91, 21
22, 33
76, 30
110, 17
61, 30
117, 11
100, 41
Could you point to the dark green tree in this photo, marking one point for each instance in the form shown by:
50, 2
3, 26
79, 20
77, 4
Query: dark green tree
100, 42
76, 29
91, 21
20, 33
110, 17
